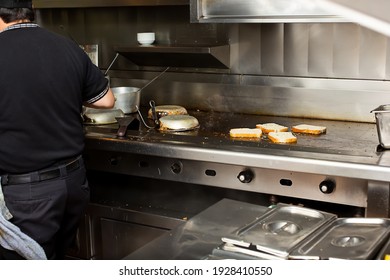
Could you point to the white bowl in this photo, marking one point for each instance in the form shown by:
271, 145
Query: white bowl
146, 38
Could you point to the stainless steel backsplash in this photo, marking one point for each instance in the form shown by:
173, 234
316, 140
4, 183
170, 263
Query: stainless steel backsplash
315, 70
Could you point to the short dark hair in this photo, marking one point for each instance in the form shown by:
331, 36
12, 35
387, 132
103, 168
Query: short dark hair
15, 14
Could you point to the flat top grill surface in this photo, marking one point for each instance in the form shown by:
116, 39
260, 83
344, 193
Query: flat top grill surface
346, 138
342, 138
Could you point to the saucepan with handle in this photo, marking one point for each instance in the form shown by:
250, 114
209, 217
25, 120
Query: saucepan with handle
128, 98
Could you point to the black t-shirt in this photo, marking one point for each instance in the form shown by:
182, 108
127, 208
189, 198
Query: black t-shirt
44, 80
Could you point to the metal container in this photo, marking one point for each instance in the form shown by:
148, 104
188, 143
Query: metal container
382, 117
127, 99
279, 230
346, 238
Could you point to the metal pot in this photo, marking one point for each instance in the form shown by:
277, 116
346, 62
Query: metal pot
382, 117
127, 99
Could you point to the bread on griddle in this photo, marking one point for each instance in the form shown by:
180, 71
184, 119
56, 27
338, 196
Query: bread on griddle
282, 137
308, 129
245, 132
271, 127
167, 110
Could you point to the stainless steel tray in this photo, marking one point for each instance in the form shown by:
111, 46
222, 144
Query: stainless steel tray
279, 230
346, 238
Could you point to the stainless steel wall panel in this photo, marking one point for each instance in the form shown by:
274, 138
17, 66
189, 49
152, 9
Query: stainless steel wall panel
272, 49
296, 49
276, 96
249, 49
300, 97
346, 50
372, 55
320, 70
320, 51
233, 33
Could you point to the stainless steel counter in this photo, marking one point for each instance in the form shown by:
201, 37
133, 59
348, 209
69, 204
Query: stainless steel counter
346, 157
197, 238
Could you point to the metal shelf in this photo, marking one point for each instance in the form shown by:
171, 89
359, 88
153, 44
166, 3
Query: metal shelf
40, 4
178, 56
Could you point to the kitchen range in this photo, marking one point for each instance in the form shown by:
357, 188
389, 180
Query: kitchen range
199, 193
321, 171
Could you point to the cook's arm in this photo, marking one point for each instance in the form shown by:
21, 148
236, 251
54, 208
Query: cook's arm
106, 102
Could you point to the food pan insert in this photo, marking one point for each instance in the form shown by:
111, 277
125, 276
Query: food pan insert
346, 238
279, 230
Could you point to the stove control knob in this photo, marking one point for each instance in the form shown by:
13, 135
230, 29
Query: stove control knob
245, 176
327, 186
176, 167
114, 161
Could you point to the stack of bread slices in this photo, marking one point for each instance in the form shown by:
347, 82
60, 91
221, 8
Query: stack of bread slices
277, 133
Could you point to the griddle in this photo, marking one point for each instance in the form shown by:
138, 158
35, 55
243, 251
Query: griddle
342, 138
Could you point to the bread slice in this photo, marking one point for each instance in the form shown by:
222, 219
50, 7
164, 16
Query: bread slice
167, 110
308, 129
246, 132
282, 137
271, 127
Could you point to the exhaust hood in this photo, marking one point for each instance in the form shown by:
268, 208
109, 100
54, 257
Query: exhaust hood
226, 11
373, 14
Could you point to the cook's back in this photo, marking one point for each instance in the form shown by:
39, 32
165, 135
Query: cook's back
44, 80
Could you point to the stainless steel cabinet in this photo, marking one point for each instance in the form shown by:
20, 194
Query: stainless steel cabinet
111, 233
118, 238
116, 232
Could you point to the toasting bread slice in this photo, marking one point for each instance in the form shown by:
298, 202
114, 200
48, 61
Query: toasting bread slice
282, 137
167, 110
308, 129
245, 132
271, 127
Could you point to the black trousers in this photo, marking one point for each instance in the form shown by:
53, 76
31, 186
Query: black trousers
49, 211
